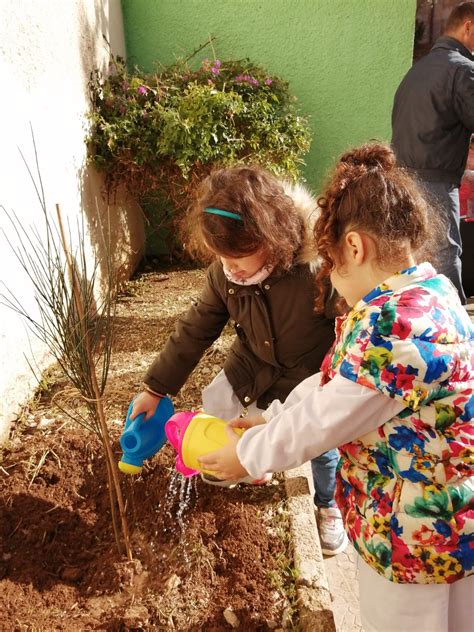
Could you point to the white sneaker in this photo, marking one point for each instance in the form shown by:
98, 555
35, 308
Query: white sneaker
332, 536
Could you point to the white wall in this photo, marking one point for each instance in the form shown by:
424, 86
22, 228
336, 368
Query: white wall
47, 50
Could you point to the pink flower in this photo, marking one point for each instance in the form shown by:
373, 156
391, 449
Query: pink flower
142, 90
247, 79
215, 71
268, 82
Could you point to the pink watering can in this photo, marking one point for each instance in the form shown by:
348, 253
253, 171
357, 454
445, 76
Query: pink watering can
193, 434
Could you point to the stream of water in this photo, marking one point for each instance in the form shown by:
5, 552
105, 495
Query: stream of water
183, 492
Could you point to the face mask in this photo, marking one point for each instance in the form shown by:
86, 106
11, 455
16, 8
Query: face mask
255, 279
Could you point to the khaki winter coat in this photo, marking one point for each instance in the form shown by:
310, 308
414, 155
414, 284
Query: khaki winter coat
279, 342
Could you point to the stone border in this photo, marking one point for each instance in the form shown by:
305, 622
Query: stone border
314, 597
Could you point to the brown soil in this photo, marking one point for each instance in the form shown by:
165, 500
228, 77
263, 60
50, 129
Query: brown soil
201, 552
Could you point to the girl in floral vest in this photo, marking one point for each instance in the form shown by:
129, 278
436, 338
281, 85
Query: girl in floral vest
395, 394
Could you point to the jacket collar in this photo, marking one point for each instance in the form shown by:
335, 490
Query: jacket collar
453, 44
272, 278
397, 281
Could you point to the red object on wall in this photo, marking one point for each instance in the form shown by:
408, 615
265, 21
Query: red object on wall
466, 192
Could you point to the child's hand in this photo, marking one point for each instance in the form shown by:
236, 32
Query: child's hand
246, 422
144, 402
225, 462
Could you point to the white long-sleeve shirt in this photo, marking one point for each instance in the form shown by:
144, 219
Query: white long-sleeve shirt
312, 420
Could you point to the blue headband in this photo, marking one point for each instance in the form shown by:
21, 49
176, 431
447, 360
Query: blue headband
218, 211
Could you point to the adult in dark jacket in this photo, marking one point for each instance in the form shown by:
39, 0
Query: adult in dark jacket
432, 123
259, 233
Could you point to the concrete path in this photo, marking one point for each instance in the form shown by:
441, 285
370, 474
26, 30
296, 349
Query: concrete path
341, 574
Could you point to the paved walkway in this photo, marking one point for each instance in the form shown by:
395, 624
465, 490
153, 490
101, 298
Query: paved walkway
341, 574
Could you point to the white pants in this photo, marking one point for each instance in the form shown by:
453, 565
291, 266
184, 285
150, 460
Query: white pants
219, 399
389, 607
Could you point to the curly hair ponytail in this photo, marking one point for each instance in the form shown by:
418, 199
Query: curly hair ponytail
367, 191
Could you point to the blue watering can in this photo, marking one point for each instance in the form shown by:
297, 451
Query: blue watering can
142, 439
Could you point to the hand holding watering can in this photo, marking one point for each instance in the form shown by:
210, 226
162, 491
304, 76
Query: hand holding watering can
191, 434
225, 462
142, 438
194, 435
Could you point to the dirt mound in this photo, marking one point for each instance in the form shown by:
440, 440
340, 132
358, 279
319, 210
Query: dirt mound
206, 558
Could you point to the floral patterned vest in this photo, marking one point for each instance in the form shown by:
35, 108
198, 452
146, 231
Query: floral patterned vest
406, 489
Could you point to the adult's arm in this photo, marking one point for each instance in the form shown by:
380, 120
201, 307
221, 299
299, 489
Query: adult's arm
464, 95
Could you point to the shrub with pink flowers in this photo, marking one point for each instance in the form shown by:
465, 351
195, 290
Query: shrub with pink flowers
163, 131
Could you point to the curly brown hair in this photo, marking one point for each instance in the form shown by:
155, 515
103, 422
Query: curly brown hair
367, 191
270, 219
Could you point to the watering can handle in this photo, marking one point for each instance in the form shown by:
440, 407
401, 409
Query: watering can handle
137, 422
176, 426
173, 432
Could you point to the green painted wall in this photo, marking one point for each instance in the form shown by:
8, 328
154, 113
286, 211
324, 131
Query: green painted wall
342, 58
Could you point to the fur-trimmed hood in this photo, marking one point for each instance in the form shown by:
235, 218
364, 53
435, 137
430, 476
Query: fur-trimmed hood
307, 205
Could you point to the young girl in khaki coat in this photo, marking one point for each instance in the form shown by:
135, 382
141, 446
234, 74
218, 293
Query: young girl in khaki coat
257, 231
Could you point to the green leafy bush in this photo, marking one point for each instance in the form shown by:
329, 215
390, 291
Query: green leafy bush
163, 131
160, 133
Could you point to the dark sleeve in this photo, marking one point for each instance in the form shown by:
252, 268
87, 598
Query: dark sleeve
194, 333
464, 95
